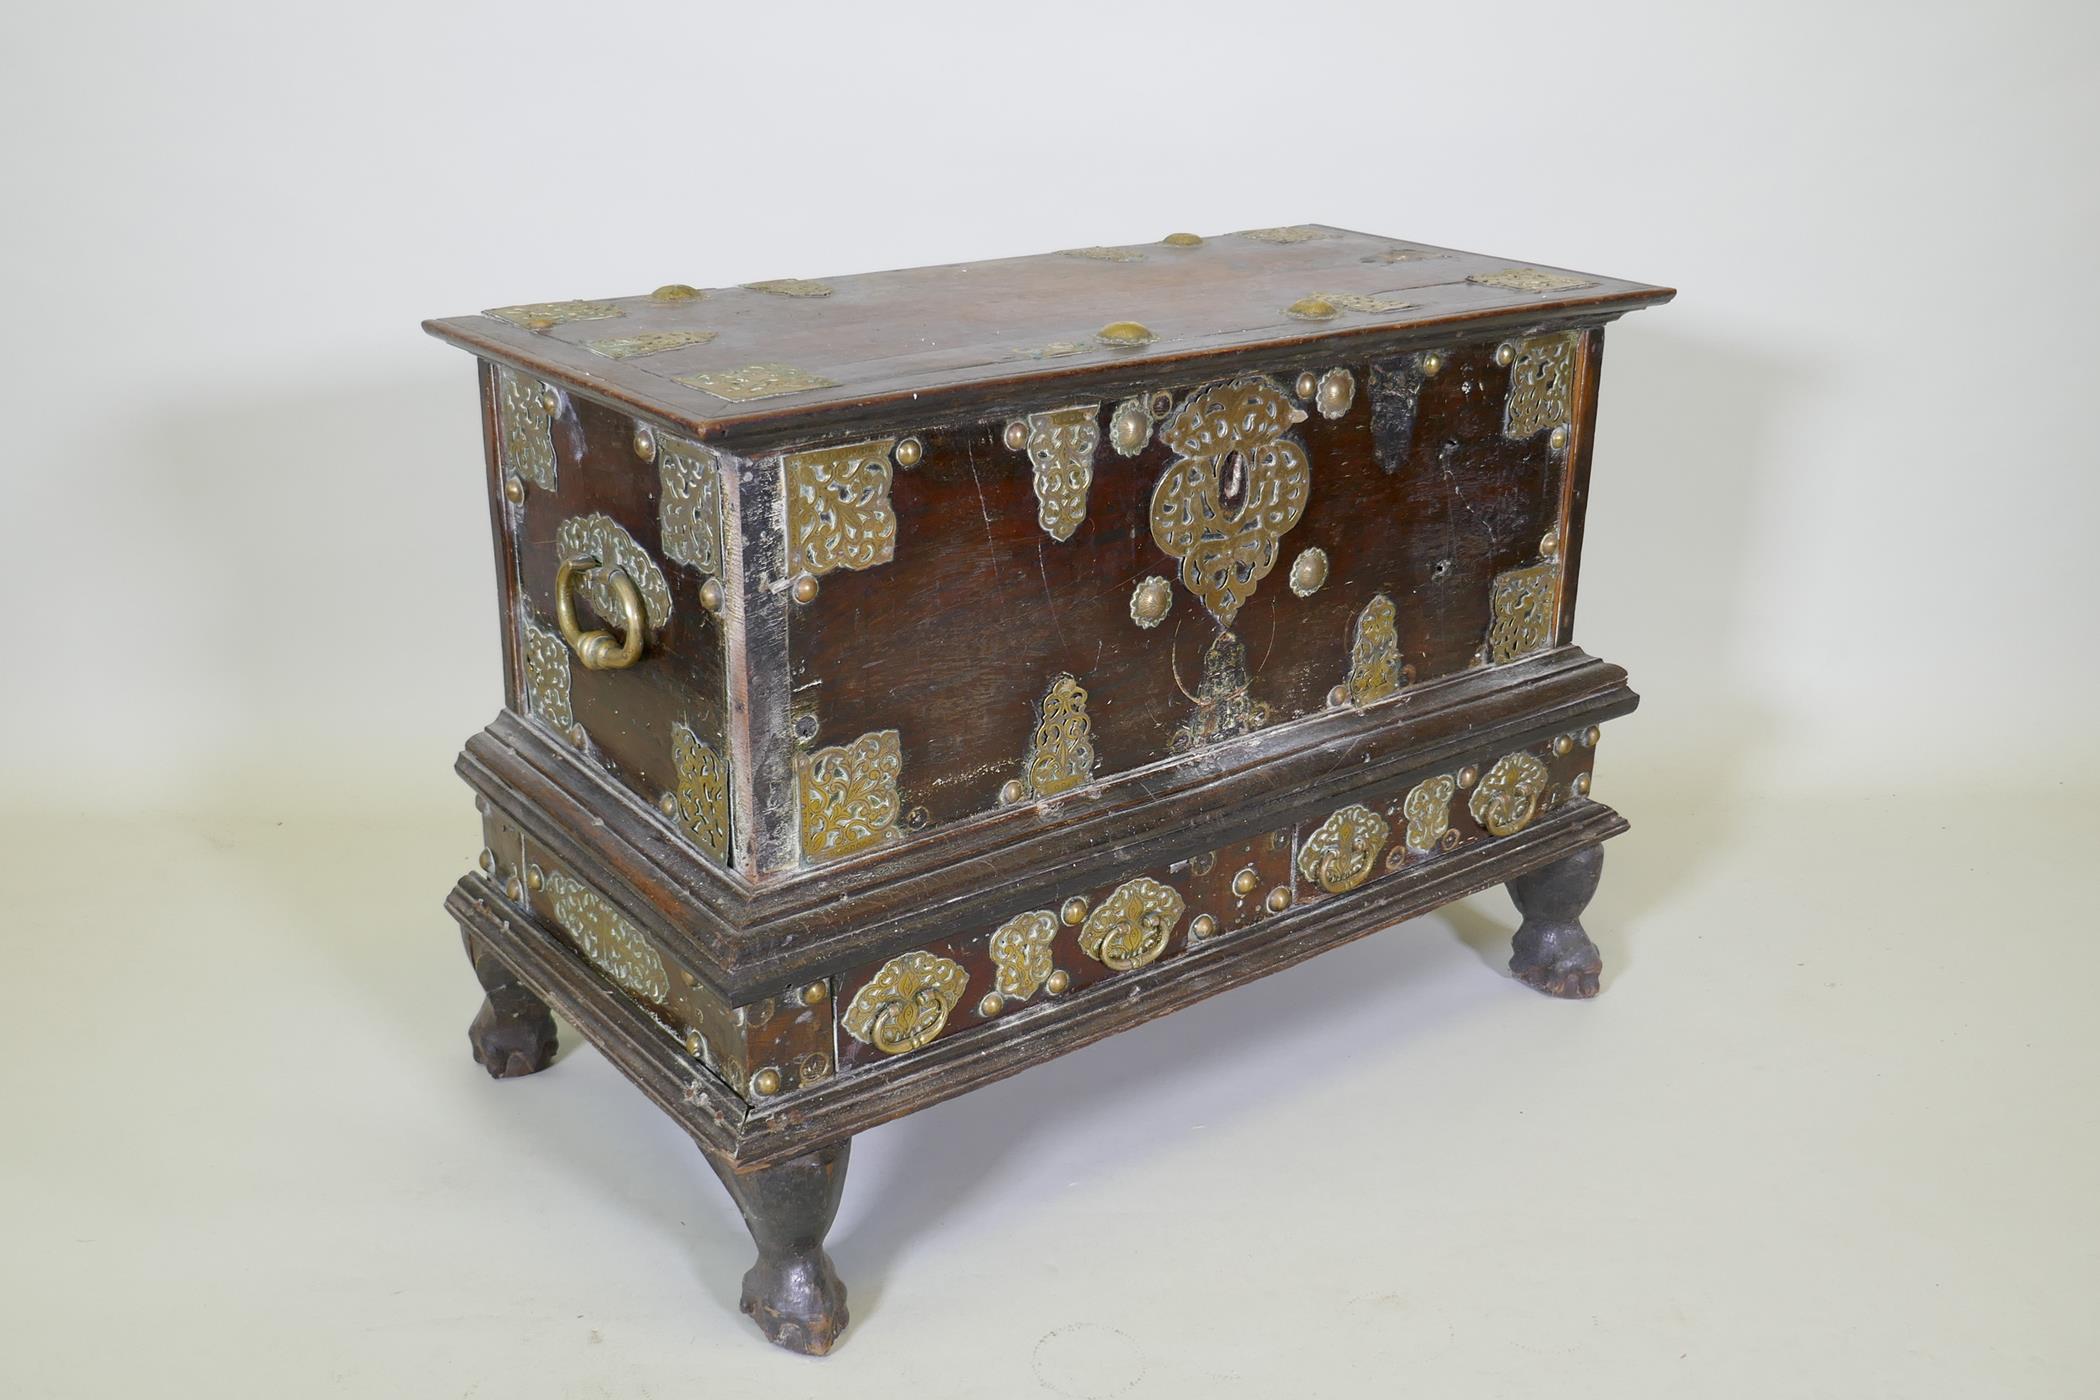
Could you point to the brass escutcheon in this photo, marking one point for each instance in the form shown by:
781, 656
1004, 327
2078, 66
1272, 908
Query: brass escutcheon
597, 650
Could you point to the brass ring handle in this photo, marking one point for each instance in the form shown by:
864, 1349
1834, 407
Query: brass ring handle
597, 650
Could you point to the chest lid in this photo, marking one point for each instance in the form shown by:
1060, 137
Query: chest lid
797, 357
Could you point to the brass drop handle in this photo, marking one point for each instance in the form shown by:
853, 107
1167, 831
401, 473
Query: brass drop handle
597, 650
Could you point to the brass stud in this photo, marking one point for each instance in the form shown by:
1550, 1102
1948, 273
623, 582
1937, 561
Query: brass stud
1279, 899
1150, 601
1016, 435
1549, 545
668, 804
688, 978
1468, 775
711, 595
645, 442
1505, 354
676, 291
909, 453
1557, 439
1129, 429
1582, 785
550, 402
766, 1081
1308, 572
1312, 309
1563, 744
805, 589
692, 1042
816, 994
533, 878
1074, 910
488, 861
1182, 240
1307, 385
1590, 737
1059, 983
814, 1067
514, 490
992, 1005
1246, 882
1432, 364
1336, 393
1125, 335
577, 735
512, 890
1012, 791
1202, 926
1338, 697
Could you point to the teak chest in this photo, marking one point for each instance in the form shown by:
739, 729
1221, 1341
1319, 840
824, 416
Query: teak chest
913, 676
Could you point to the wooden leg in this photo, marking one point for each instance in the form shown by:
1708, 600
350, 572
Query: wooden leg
1550, 951
792, 1292
514, 1033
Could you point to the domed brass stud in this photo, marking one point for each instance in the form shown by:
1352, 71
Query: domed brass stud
1279, 899
1338, 697
645, 442
676, 291
534, 878
1059, 983
766, 1082
1308, 572
1549, 544
512, 890
1074, 910
1312, 309
909, 452
1150, 600
1564, 744
805, 589
1129, 429
487, 861
1183, 240
668, 804
1590, 737
1308, 384
578, 736
1246, 882
1432, 364
1468, 775
1016, 435
1202, 926
1505, 354
1012, 791
816, 994
1557, 439
1581, 785
1337, 391
711, 595
550, 402
514, 490
1125, 335
992, 1005
692, 1042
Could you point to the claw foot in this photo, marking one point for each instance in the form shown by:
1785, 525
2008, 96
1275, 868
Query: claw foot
798, 1303
1551, 951
513, 1034
792, 1292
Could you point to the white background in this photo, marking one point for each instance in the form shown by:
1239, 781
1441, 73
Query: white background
1827, 1132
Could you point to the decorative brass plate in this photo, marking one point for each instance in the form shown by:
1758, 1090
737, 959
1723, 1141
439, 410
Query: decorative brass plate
600, 537
539, 315
1343, 852
1428, 812
1224, 708
1292, 233
1060, 444
1364, 302
703, 790
1541, 384
838, 507
848, 796
1508, 796
1240, 483
602, 934
689, 507
1374, 655
760, 381
523, 428
905, 1005
1021, 950
1131, 927
1105, 254
1061, 754
547, 675
629, 347
1530, 279
789, 287
1523, 605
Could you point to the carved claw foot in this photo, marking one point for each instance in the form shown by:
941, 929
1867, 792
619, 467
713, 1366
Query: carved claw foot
513, 1035
1550, 951
792, 1292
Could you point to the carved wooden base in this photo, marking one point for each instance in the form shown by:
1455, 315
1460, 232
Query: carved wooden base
792, 1292
1550, 950
513, 1035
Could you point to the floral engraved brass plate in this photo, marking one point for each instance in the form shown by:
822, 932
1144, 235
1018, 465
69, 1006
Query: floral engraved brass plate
763, 381
1344, 851
849, 796
1374, 654
1294, 233
600, 537
689, 507
547, 676
1021, 950
1061, 444
1061, 755
1428, 812
1131, 927
1523, 603
904, 1006
602, 934
1365, 302
789, 287
539, 315
838, 508
1541, 384
522, 425
1508, 797
1224, 709
1530, 279
1241, 482
628, 347
703, 790
1105, 254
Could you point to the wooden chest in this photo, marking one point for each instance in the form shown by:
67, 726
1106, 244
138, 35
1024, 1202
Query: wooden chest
913, 676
